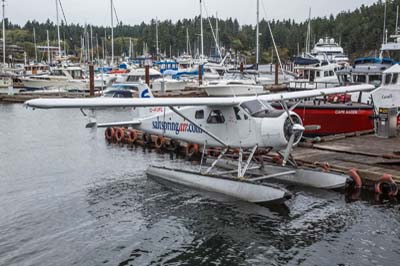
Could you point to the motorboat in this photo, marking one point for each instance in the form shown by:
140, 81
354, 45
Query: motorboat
68, 78
234, 87
366, 70
318, 76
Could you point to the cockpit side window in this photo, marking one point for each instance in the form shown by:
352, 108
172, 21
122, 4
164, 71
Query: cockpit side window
237, 110
216, 117
388, 78
395, 78
199, 114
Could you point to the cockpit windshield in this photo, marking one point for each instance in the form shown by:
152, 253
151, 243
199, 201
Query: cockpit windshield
259, 108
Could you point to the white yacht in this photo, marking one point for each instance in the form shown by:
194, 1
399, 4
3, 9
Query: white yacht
235, 87
68, 78
327, 49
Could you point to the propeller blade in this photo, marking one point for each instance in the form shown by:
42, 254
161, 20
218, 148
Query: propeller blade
295, 105
284, 105
288, 149
312, 127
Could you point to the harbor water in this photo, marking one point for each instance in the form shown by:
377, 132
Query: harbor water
69, 198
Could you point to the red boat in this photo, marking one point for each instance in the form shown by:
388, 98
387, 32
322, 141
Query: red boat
335, 118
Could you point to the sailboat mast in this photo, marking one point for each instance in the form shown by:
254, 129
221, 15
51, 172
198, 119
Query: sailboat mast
58, 30
201, 30
397, 21
34, 40
216, 33
308, 32
91, 42
187, 41
4, 33
258, 35
384, 24
130, 48
157, 53
48, 47
112, 32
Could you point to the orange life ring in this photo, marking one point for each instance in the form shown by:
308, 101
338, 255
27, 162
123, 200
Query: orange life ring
159, 142
132, 136
192, 149
119, 134
356, 178
387, 179
109, 133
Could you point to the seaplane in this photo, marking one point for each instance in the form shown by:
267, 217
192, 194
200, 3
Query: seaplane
245, 124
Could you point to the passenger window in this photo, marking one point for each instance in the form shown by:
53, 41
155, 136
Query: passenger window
331, 73
237, 110
318, 74
388, 78
326, 74
395, 78
199, 114
216, 117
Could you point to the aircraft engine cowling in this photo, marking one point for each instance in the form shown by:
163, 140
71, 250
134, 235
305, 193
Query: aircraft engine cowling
276, 132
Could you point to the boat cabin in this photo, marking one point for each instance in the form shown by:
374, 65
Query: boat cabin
367, 70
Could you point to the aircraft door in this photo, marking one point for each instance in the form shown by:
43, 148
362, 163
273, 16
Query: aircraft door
243, 123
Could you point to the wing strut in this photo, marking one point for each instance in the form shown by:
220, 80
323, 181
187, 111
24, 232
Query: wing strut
194, 123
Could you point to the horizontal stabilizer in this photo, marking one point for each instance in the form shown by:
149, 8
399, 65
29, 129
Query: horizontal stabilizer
115, 124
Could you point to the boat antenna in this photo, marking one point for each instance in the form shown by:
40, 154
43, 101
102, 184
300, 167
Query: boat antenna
4, 33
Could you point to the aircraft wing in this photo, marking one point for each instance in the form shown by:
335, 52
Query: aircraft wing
315, 93
99, 103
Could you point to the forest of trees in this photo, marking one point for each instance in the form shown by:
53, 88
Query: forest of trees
360, 32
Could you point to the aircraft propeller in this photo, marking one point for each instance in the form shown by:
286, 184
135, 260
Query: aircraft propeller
296, 128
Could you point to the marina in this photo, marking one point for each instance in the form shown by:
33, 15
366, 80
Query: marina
202, 140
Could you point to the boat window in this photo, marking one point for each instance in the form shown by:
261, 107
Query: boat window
373, 78
76, 74
216, 117
360, 79
326, 73
237, 110
133, 78
395, 78
318, 74
199, 114
331, 73
388, 78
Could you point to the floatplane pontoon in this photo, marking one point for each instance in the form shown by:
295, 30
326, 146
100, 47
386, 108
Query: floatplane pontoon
242, 123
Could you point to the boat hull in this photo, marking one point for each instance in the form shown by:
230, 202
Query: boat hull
335, 118
242, 190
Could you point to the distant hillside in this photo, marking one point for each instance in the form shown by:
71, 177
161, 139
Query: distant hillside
359, 31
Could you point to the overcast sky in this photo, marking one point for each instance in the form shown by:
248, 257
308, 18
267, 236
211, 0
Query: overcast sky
135, 11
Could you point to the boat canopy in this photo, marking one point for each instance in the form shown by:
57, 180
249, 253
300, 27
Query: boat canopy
374, 60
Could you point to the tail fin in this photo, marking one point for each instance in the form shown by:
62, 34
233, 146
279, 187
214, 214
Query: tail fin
145, 92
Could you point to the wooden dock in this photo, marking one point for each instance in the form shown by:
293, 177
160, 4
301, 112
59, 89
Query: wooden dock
370, 155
